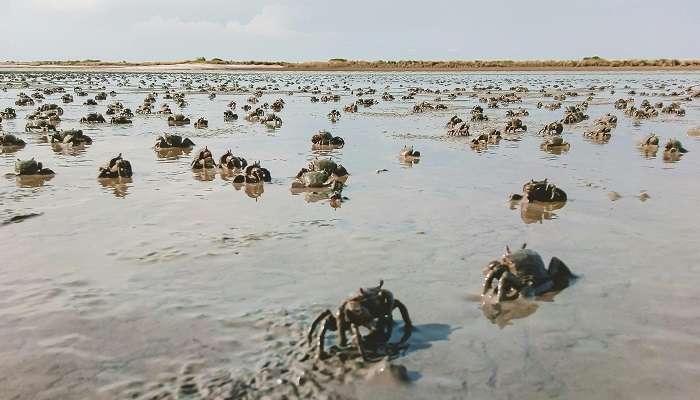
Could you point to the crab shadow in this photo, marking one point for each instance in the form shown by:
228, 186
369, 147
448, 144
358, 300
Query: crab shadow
423, 336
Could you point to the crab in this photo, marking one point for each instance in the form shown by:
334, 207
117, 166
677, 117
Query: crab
204, 160
10, 142
334, 115
351, 108
271, 121
408, 152
178, 120
555, 144
253, 174
40, 125
201, 123
457, 127
73, 137
553, 128
67, 98
371, 308
493, 136
90, 102
168, 141
522, 273
231, 162
31, 167
573, 114
119, 120
117, 167
515, 125
8, 113
321, 172
230, 115
673, 150
93, 118
520, 112
325, 138
601, 132
541, 191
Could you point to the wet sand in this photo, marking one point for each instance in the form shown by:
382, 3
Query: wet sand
128, 290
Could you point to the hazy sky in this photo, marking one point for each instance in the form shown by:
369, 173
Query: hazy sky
298, 30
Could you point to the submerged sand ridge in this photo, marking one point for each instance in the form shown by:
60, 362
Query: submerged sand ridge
180, 285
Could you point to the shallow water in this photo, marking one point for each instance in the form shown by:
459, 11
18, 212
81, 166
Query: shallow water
116, 287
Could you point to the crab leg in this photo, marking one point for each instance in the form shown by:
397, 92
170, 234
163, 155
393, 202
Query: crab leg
408, 325
314, 324
488, 281
357, 338
505, 283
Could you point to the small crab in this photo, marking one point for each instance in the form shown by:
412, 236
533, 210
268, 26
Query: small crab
231, 162
541, 191
253, 174
93, 118
117, 167
74, 137
673, 150
371, 308
408, 152
554, 128
515, 125
31, 167
321, 172
201, 123
168, 141
178, 120
522, 273
204, 160
325, 138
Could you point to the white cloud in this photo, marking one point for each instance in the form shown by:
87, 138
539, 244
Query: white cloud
271, 22
65, 5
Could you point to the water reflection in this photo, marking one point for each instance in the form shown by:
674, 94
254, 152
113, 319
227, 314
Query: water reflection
534, 211
204, 174
173, 153
502, 313
253, 190
33, 180
68, 149
118, 186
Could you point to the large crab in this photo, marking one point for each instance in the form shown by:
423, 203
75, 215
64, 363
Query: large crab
522, 273
117, 167
371, 308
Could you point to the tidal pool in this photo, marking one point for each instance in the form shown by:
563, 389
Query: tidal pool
116, 290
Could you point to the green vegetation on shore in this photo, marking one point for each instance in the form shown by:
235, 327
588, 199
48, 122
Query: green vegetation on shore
345, 64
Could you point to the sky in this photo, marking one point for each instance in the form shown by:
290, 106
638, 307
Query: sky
315, 30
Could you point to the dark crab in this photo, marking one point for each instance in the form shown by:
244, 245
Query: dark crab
541, 191
325, 138
168, 141
31, 167
117, 167
231, 162
253, 174
74, 137
204, 160
371, 308
515, 125
522, 273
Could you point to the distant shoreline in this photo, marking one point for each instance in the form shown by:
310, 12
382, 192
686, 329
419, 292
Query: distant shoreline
340, 65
